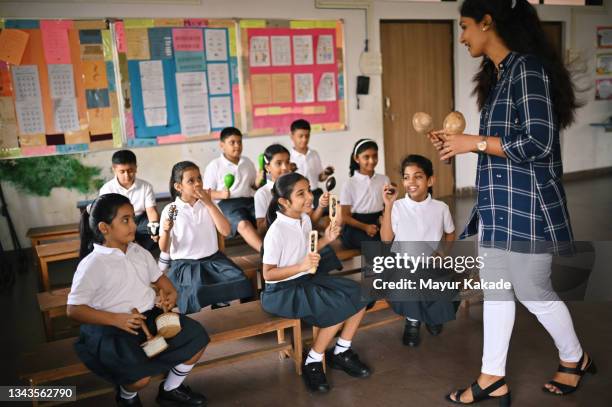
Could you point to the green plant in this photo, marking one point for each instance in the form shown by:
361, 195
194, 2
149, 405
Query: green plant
39, 175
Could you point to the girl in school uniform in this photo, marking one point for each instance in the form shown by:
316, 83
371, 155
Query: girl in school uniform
276, 159
418, 218
201, 273
113, 278
361, 196
295, 289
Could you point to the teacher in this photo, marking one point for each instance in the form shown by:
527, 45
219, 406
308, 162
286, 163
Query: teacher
525, 96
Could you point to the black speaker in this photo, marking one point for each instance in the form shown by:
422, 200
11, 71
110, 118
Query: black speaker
363, 85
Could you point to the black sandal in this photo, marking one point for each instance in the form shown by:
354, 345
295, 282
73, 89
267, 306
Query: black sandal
479, 394
578, 371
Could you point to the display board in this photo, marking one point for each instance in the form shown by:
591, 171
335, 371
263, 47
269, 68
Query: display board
291, 70
57, 89
179, 79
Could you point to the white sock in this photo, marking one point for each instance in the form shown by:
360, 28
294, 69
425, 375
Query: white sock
176, 376
124, 394
342, 345
164, 261
411, 320
313, 357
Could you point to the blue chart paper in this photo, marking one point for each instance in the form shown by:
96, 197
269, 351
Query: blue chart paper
172, 126
160, 43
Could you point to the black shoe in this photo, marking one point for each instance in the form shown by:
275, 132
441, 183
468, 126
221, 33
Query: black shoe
411, 333
314, 377
133, 402
181, 396
220, 305
434, 330
347, 361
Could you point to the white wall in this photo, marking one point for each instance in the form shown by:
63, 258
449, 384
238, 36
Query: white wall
155, 163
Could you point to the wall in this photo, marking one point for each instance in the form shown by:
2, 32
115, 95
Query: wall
156, 162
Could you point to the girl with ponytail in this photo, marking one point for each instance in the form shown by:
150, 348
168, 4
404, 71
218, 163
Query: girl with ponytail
295, 287
111, 296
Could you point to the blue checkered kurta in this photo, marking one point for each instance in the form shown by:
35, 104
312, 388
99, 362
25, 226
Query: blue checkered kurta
521, 200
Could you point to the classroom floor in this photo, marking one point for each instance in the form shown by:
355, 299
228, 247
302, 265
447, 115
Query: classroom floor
402, 375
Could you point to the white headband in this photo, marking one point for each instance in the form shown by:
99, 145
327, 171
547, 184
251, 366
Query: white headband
362, 143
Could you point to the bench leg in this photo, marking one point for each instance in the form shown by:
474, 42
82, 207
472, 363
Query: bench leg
48, 325
280, 337
297, 347
44, 274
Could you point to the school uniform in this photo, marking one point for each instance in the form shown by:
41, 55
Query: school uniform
424, 222
141, 196
329, 260
240, 205
263, 197
364, 195
113, 281
200, 272
309, 165
319, 299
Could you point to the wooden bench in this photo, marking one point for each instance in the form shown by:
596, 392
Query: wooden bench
53, 303
55, 251
57, 360
41, 234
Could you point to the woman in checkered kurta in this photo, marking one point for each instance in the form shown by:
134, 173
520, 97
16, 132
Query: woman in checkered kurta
525, 96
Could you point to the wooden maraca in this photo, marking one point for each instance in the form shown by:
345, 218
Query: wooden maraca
454, 123
312, 246
330, 184
168, 324
154, 345
422, 122
333, 209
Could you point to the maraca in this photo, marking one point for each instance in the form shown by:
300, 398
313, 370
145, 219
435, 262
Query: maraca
228, 180
262, 167
454, 123
172, 212
330, 184
422, 122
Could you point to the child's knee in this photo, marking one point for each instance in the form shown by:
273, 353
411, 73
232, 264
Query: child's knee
244, 225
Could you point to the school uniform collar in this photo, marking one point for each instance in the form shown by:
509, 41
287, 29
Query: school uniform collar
415, 204
118, 185
182, 204
98, 248
358, 175
269, 184
228, 162
289, 220
308, 152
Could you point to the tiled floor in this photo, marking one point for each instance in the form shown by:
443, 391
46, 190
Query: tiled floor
402, 376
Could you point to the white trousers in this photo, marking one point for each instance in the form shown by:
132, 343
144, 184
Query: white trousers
529, 275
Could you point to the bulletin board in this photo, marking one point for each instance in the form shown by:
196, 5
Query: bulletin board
179, 79
291, 70
57, 90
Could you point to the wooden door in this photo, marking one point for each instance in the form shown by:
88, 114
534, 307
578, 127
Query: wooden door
554, 32
417, 76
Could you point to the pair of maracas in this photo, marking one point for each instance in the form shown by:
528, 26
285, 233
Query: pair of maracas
454, 123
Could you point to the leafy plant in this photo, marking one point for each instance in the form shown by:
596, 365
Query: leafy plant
39, 175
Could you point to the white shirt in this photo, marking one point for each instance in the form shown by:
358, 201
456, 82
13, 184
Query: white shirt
244, 176
110, 280
140, 194
194, 234
263, 197
286, 242
363, 193
309, 165
425, 221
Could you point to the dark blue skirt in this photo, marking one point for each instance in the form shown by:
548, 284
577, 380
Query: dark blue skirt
352, 237
208, 281
319, 300
117, 356
236, 210
329, 261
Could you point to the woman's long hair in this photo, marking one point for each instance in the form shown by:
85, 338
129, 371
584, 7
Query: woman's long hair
518, 25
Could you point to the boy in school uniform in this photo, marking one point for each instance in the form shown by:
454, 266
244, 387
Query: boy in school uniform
139, 192
236, 202
307, 160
